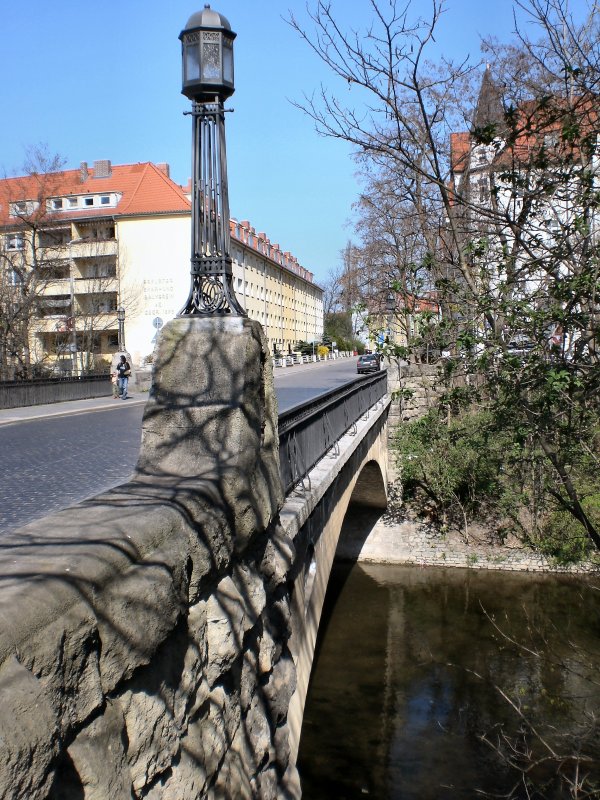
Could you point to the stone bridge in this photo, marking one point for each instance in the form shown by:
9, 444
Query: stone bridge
156, 641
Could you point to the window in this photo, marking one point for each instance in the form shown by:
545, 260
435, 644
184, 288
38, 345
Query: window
105, 200
88, 201
56, 204
14, 241
72, 202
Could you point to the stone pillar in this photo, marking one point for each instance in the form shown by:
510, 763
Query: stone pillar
212, 415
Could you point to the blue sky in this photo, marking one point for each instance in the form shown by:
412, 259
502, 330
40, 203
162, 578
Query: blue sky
95, 80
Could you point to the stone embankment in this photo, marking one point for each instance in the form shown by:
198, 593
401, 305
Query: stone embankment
395, 538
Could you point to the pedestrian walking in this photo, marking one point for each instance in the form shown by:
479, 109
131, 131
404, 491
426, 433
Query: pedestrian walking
123, 373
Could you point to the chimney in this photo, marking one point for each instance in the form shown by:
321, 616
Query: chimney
164, 168
83, 172
102, 169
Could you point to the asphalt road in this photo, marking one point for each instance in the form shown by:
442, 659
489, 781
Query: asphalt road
52, 462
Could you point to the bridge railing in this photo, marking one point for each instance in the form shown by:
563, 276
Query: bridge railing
308, 430
38, 391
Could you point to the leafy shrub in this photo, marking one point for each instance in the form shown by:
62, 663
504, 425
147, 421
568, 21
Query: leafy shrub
563, 538
456, 462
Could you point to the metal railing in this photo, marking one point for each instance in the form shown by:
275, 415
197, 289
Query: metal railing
37, 391
307, 431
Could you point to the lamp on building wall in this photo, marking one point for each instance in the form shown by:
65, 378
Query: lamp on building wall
121, 321
207, 56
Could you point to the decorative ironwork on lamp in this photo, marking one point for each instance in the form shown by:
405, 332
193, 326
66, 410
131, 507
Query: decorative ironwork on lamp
207, 55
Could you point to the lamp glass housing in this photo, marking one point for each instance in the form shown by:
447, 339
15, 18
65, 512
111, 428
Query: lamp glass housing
207, 64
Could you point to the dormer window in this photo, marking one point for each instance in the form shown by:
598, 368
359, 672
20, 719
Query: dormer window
82, 201
22, 208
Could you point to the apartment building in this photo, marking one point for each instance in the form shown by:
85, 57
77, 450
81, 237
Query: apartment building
76, 245
525, 182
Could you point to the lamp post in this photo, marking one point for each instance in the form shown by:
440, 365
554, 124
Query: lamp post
207, 54
390, 305
121, 321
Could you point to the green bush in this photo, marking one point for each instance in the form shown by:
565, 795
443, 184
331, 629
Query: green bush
563, 538
474, 465
456, 462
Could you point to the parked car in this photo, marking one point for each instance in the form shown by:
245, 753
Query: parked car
368, 363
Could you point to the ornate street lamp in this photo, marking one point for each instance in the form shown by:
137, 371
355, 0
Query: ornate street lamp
207, 53
390, 306
121, 321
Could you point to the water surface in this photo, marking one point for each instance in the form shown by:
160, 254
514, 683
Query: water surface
405, 698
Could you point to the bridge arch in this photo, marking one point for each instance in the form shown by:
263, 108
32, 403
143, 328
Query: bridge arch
360, 482
370, 487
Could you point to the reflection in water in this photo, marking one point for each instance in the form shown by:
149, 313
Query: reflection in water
403, 685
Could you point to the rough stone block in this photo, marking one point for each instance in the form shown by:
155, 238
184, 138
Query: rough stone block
231, 611
278, 557
64, 657
279, 689
217, 729
98, 756
137, 612
154, 708
28, 735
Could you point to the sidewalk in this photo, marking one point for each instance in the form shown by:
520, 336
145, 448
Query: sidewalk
9, 415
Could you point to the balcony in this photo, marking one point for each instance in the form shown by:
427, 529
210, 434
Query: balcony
55, 286
98, 285
93, 248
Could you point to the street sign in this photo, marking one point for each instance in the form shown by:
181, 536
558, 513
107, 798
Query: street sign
157, 322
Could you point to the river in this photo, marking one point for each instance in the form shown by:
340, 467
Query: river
427, 684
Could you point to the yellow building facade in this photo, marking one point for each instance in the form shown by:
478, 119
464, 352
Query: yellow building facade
107, 236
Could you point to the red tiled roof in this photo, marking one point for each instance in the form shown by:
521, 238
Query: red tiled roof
144, 189
533, 121
460, 145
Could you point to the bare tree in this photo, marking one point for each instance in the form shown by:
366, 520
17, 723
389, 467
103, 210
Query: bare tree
498, 179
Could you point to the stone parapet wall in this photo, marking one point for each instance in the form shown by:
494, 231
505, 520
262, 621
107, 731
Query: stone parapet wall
144, 633
141, 656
